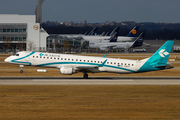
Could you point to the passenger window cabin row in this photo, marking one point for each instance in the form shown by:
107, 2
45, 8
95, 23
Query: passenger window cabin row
90, 61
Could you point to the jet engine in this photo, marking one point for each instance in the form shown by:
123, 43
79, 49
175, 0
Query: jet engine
67, 70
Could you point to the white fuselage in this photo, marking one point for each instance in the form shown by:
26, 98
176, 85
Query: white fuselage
112, 45
103, 39
75, 61
70, 64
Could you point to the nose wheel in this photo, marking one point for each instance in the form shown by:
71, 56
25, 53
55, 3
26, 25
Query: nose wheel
85, 76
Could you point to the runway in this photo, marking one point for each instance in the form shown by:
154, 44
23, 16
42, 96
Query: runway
93, 81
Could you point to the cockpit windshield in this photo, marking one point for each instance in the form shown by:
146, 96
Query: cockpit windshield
16, 55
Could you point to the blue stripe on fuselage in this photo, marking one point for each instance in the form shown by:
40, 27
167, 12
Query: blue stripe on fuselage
85, 63
54, 63
28, 63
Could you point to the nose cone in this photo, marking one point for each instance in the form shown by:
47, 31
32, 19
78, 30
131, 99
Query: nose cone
7, 60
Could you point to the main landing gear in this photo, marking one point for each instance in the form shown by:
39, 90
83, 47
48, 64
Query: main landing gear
85, 76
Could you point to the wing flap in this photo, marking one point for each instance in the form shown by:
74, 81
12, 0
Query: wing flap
92, 69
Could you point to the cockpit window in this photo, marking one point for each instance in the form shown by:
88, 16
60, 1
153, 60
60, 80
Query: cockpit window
17, 54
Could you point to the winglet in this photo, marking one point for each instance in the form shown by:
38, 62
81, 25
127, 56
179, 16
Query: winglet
104, 56
102, 63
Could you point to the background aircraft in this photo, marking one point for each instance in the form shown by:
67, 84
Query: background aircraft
118, 45
104, 39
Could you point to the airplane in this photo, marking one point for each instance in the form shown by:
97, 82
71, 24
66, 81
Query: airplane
71, 64
118, 45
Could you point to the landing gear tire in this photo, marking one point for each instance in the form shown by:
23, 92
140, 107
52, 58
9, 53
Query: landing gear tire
21, 66
85, 76
21, 71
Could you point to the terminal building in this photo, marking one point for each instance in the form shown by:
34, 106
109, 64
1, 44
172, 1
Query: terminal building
22, 32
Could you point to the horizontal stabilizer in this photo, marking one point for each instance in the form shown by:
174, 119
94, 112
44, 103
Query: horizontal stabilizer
165, 66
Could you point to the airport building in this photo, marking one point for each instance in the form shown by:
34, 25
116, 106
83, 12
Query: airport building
22, 32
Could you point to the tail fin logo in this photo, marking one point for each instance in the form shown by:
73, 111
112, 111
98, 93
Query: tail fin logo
41, 54
163, 53
134, 31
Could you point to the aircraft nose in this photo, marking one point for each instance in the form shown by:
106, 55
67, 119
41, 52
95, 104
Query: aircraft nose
7, 60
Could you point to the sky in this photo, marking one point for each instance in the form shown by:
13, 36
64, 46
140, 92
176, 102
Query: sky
97, 11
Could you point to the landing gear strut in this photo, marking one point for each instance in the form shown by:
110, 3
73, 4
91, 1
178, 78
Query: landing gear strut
21, 66
85, 76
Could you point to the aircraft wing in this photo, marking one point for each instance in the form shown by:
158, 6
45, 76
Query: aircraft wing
92, 69
106, 46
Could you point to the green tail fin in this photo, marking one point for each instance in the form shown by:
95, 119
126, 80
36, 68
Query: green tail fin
159, 59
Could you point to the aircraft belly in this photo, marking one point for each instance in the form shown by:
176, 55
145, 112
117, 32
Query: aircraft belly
120, 46
115, 70
93, 46
126, 39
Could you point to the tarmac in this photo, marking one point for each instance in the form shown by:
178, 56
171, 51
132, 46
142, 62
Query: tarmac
90, 81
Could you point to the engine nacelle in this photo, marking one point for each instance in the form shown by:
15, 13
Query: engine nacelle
67, 70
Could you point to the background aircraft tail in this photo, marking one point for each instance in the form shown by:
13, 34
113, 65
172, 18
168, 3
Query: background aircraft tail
115, 30
158, 60
139, 41
93, 32
113, 37
107, 34
133, 32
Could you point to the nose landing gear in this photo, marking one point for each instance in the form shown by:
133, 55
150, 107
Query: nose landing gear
21, 66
